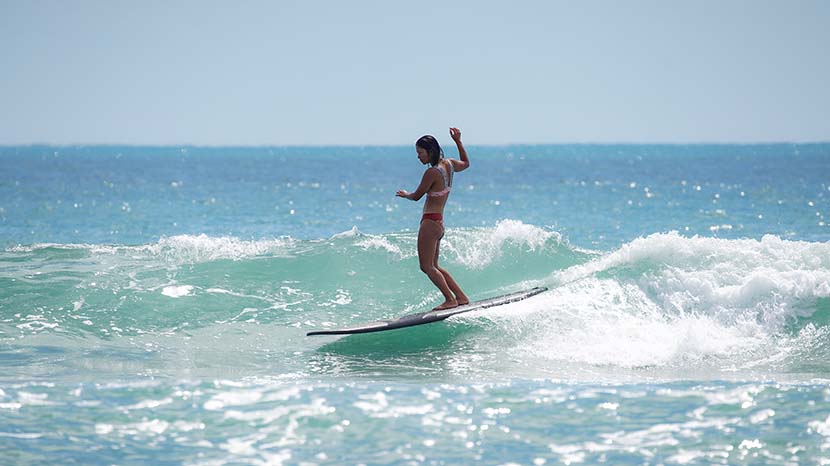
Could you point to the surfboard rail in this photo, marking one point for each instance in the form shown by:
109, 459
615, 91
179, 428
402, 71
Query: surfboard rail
427, 317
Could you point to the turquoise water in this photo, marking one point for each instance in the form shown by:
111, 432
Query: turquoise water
154, 304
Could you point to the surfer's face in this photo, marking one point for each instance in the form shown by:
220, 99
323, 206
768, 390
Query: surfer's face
423, 155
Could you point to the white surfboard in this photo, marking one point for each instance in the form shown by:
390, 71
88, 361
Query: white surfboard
431, 316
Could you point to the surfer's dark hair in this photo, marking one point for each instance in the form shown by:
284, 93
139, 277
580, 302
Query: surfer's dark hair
430, 144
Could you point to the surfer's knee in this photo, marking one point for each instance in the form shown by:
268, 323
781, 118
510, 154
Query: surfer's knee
429, 267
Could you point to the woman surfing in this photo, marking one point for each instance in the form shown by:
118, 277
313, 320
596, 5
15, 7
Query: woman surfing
436, 184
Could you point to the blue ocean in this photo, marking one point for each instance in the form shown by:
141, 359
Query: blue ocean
154, 305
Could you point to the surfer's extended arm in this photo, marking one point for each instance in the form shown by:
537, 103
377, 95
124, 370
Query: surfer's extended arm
426, 182
464, 163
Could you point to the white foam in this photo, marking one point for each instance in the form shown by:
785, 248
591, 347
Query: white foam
149, 404
232, 398
40, 246
180, 248
820, 427
202, 248
342, 298
380, 242
352, 233
24, 436
146, 427
477, 248
177, 291
709, 273
603, 322
33, 399
666, 300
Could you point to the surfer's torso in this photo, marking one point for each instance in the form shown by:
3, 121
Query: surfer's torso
440, 189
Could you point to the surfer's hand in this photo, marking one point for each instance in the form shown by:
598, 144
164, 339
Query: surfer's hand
455, 134
402, 193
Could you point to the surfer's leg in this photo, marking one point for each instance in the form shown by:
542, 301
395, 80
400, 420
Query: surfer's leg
460, 297
428, 236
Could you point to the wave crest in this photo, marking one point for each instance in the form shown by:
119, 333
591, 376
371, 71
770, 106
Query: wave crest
669, 301
478, 248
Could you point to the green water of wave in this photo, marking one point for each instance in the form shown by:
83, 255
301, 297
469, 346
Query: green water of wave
661, 305
198, 282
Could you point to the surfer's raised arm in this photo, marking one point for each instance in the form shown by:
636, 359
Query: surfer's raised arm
464, 163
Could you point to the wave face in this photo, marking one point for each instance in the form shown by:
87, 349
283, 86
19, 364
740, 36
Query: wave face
663, 305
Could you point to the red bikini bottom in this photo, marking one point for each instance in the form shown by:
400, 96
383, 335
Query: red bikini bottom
435, 217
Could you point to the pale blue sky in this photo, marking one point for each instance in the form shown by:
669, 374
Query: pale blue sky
386, 72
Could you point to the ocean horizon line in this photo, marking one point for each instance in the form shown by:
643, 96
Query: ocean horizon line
349, 145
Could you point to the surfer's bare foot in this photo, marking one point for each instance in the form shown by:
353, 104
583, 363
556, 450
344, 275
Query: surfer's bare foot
447, 305
462, 300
